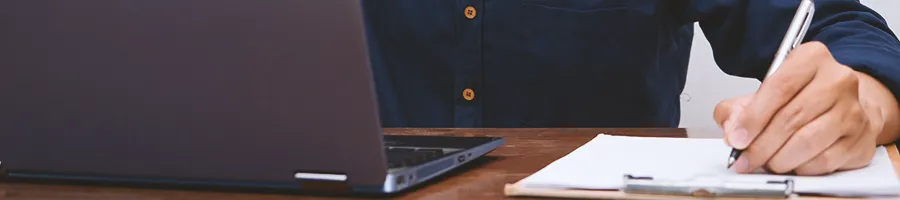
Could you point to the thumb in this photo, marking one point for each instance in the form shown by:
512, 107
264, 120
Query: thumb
729, 109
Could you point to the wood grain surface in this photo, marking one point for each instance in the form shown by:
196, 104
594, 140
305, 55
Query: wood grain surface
525, 152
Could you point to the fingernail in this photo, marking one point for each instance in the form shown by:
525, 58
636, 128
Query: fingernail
741, 165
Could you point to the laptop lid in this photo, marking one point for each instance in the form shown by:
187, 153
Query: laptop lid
228, 92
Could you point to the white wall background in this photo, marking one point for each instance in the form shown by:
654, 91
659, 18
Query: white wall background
698, 99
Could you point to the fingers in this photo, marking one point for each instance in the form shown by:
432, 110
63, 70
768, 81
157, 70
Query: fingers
843, 122
782, 135
807, 118
729, 109
823, 142
809, 124
828, 160
776, 91
852, 151
723, 110
860, 154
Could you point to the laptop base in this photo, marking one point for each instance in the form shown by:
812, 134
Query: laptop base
459, 151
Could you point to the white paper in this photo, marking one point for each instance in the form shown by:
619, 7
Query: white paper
601, 164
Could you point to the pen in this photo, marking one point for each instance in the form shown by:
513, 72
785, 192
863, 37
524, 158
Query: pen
793, 37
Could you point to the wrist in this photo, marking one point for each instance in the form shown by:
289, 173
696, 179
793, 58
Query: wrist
884, 112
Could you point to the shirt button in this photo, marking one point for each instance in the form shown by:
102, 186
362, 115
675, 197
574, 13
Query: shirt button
468, 94
470, 12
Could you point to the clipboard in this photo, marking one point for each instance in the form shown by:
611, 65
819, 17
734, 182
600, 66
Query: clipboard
644, 188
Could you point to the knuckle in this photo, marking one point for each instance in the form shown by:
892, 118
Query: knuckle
856, 108
861, 119
847, 79
830, 158
874, 122
818, 47
806, 141
858, 157
766, 145
856, 117
790, 115
812, 48
784, 91
806, 138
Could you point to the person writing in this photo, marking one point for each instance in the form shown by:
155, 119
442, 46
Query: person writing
623, 63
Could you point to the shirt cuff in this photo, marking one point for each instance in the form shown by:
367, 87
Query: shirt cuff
879, 62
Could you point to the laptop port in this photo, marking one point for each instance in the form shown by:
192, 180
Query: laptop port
400, 180
461, 158
2, 171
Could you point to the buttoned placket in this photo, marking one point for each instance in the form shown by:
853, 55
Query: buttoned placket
468, 76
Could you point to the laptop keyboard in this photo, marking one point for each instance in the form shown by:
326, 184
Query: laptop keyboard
407, 150
409, 156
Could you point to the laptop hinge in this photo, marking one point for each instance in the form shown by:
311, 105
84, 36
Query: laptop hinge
322, 182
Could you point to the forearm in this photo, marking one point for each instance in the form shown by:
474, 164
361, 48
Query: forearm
871, 91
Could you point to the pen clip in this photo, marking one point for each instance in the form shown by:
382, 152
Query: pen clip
809, 8
795, 34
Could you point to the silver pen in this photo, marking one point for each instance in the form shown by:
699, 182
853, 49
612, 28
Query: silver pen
794, 36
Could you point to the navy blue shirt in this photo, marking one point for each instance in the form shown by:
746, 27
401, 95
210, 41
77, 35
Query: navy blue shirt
587, 63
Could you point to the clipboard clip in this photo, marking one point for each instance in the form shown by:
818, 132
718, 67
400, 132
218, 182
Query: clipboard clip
709, 187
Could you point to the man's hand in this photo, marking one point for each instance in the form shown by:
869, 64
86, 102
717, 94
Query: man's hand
807, 118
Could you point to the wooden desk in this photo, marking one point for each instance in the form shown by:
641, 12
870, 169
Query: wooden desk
526, 151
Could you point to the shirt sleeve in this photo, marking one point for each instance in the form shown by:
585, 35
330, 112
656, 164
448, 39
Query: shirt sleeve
745, 35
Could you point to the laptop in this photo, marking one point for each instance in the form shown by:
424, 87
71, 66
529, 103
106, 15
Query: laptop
274, 94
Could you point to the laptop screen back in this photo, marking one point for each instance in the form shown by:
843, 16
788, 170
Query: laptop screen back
213, 90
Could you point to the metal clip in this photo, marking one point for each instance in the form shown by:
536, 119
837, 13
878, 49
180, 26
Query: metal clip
710, 187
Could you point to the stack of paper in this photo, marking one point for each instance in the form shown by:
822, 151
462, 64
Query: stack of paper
601, 164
